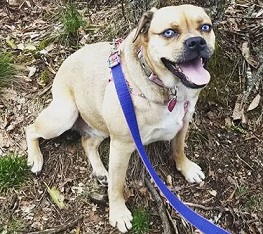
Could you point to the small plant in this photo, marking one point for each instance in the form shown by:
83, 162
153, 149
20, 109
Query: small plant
254, 203
13, 172
141, 221
242, 190
45, 78
7, 71
72, 21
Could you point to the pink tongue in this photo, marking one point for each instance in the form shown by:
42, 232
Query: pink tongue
195, 72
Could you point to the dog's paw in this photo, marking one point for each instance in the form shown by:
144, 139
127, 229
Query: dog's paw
121, 217
101, 174
36, 163
191, 171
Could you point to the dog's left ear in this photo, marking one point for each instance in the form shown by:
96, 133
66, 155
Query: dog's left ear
144, 23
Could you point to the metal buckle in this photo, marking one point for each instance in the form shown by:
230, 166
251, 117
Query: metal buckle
114, 59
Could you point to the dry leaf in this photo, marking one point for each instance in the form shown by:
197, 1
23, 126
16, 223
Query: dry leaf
259, 13
254, 104
11, 43
238, 109
248, 57
30, 47
32, 71
213, 192
56, 196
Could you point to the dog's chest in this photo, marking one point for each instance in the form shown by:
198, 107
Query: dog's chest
168, 125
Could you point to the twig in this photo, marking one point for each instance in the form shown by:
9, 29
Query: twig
45, 90
160, 206
173, 222
58, 229
242, 17
207, 208
244, 162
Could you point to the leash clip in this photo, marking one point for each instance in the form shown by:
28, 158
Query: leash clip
114, 59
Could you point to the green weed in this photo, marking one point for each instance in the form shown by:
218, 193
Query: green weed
254, 203
242, 190
71, 20
13, 172
45, 78
141, 221
7, 71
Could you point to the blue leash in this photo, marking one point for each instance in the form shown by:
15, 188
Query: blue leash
123, 93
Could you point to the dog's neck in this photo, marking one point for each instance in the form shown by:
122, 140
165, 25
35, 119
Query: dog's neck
148, 71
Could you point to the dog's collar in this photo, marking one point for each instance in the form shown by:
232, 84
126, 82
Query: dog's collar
148, 71
155, 79
114, 59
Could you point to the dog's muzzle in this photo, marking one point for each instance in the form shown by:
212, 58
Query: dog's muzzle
190, 68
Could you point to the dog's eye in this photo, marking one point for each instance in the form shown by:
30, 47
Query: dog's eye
206, 27
169, 33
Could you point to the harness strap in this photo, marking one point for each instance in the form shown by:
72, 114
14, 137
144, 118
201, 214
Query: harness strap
124, 97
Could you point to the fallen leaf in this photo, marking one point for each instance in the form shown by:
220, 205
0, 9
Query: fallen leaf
254, 104
11, 43
213, 192
56, 196
228, 122
238, 109
30, 47
247, 55
32, 71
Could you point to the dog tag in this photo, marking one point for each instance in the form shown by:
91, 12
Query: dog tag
171, 104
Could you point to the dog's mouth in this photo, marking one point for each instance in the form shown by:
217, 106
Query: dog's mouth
192, 73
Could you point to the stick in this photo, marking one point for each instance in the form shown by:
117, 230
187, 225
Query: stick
207, 208
58, 229
160, 206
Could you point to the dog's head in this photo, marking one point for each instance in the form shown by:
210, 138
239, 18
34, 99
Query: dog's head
177, 41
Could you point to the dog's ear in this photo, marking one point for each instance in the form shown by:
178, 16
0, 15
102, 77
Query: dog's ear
144, 23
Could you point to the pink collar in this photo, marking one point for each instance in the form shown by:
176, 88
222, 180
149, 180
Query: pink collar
115, 58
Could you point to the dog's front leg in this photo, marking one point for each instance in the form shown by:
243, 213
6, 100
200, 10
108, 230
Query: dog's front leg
120, 154
190, 170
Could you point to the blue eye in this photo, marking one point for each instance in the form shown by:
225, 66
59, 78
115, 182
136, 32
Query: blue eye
169, 33
206, 27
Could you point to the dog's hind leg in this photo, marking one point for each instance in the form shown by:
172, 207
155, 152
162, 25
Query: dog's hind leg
90, 145
58, 117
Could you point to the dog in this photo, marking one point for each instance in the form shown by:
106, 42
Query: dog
164, 62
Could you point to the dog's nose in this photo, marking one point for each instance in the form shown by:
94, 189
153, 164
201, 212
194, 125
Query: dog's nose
195, 43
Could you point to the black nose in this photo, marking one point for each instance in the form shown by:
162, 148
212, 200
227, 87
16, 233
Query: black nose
195, 43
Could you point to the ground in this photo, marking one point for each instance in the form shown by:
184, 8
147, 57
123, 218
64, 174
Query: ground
225, 139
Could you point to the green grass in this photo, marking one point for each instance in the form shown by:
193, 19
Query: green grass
71, 20
13, 172
141, 221
10, 226
7, 71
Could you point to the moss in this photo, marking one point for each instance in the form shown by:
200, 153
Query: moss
223, 78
